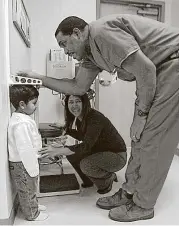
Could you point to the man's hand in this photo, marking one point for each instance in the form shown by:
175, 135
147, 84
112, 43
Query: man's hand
137, 127
30, 74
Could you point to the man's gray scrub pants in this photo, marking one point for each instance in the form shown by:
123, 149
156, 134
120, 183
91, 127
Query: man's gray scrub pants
151, 158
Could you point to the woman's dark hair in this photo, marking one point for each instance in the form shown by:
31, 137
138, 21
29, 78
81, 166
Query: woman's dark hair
24, 93
69, 117
69, 23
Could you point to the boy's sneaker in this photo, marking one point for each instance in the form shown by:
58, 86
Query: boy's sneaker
42, 207
41, 217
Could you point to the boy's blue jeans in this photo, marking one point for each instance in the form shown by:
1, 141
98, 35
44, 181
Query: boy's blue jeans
26, 187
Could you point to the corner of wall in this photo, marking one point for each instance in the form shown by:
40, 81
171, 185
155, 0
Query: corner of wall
10, 220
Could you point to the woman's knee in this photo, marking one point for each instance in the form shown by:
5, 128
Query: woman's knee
85, 165
123, 159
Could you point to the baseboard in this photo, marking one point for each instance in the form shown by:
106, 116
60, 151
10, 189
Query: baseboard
10, 220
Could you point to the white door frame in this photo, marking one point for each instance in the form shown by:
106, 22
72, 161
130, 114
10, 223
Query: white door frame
5, 189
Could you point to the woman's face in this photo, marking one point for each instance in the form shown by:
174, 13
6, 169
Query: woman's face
75, 106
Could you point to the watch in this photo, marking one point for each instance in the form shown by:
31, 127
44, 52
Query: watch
141, 113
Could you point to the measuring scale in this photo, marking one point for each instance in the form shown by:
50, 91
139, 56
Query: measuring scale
53, 181
20, 80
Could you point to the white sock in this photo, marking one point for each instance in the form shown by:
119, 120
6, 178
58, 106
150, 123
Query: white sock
41, 217
42, 207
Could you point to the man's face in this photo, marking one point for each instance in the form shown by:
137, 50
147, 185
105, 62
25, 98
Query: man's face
73, 45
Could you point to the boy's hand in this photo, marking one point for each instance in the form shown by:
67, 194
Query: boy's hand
43, 152
49, 151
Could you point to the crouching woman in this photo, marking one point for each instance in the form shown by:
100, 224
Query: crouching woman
101, 151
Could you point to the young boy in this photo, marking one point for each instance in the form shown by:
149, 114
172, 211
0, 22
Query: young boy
24, 142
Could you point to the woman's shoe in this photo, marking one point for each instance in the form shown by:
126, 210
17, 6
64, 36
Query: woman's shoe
108, 189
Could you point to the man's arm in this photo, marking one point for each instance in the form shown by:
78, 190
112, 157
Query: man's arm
145, 72
77, 86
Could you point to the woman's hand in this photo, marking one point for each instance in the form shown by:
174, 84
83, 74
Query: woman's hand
61, 139
30, 74
51, 152
137, 127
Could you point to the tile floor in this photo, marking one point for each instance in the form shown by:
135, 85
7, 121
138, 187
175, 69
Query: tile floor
80, 209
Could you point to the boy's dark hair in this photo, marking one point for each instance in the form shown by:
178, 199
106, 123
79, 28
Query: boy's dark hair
68, 24
69, 117
24, 93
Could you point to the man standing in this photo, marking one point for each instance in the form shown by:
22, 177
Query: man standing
141, 50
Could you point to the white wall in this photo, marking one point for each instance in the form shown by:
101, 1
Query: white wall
5, 186
20, 55
168, 10
175, 13
45, 18
81, 8
19, 59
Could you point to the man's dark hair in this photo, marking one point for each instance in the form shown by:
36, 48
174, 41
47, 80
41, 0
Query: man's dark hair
69, 23
24, 93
